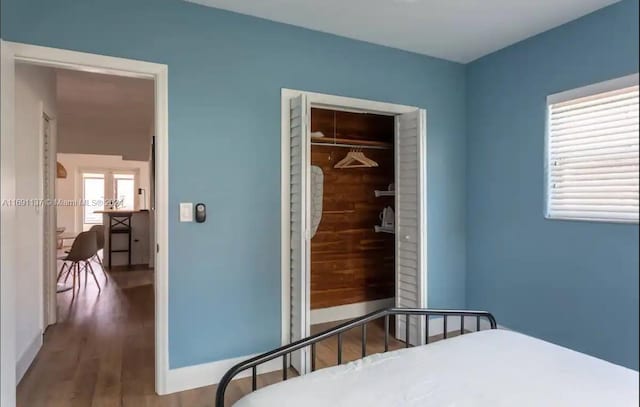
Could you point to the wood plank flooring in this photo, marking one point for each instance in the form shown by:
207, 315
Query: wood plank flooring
101, 351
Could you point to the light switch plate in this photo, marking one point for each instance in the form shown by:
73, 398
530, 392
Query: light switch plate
186, 212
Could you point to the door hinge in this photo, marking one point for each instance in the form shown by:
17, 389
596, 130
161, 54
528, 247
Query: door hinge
157, 248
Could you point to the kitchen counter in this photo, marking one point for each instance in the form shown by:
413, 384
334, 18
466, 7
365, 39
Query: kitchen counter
141, 235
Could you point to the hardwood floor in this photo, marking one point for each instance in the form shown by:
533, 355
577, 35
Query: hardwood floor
101, 351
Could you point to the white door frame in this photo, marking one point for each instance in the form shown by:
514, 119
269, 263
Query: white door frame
49, 261
7, 229
80, 61
330, 102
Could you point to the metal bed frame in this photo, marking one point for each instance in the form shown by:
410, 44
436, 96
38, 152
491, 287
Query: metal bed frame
285, 351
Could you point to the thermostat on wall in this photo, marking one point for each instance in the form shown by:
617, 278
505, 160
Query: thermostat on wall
201, 212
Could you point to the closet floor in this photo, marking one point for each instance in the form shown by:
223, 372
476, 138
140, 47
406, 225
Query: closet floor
327, 350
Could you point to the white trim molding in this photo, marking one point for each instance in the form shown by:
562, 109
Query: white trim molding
349, 311
49, 262
27, 357
7, 229
594, 89
80, 61
436, 325
206, 374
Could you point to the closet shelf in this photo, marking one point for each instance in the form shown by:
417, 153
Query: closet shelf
384, 193
350, 142
382, 229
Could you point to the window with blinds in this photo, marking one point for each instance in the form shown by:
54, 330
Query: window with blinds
592, 152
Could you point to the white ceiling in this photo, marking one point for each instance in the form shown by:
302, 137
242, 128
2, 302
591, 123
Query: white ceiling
457, 30
104, 114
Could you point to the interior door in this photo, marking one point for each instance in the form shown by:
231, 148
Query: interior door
7, 228
410, 221
49, 245
299, 227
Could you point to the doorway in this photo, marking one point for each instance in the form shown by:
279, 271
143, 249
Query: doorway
13, 54
406, 222
352, 249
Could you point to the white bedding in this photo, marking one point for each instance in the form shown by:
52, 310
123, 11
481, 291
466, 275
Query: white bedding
488, 368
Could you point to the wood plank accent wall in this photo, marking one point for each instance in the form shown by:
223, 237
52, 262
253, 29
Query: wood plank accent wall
358, 126
350, 263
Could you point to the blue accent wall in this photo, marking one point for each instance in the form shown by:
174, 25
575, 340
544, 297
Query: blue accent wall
225, 75
572, 283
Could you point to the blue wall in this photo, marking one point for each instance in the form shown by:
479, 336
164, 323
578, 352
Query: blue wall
225, 76
573, 283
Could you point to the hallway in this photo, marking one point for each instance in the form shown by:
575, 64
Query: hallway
101, 351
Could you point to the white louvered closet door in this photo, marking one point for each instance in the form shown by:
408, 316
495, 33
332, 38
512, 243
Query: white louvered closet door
299, 213
410, 221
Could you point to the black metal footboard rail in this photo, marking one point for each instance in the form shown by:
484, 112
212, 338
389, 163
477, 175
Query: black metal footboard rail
285, 352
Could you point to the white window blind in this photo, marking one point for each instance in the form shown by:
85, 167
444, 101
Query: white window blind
592, 147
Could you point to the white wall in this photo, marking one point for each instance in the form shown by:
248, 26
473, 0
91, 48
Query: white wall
70, 188
7, 228
35, 95
105, 114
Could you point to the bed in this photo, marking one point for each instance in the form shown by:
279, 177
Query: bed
492, 367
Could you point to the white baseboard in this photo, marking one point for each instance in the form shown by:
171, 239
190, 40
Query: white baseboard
206, 374
24, 361
436, 325
349, 311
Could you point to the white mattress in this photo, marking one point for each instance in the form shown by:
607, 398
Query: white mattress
488, 368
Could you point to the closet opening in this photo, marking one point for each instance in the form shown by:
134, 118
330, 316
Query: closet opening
352, 215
